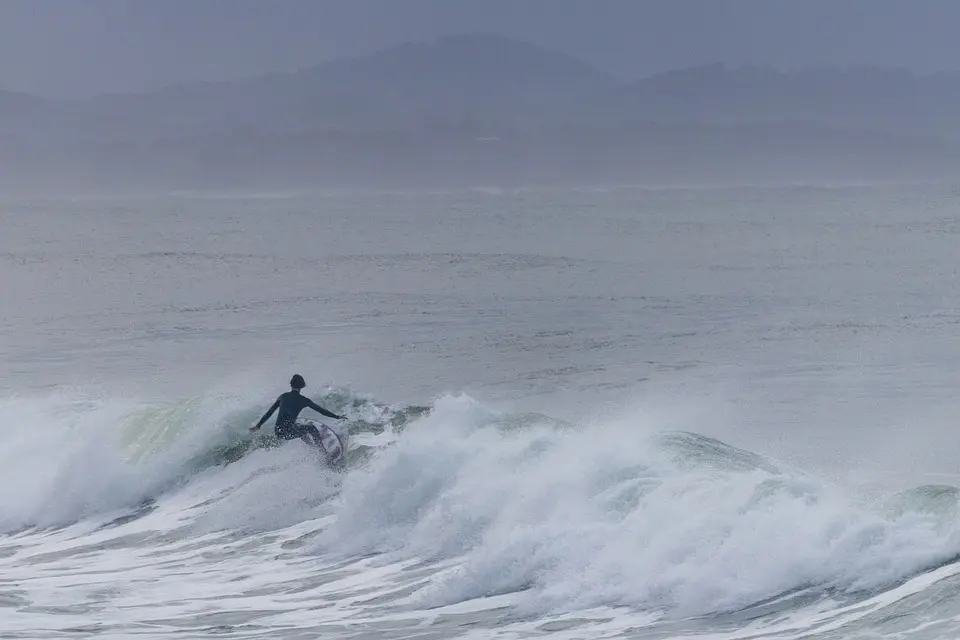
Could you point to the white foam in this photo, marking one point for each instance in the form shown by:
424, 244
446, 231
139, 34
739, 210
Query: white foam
548, 522
69, 456
611, 518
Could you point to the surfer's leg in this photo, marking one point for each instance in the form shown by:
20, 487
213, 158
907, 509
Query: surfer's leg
306, 432
294, 431
287, 432
313, 433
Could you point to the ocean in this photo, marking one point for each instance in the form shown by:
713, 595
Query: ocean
572, 413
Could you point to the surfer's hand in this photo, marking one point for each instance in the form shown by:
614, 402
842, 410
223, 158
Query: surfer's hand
255, 427
341, 417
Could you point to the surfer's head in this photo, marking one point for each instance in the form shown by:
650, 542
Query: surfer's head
297, 382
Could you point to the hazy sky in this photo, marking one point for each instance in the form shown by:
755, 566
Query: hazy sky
83, 47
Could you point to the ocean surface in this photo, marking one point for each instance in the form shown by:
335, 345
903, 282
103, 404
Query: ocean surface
611, 413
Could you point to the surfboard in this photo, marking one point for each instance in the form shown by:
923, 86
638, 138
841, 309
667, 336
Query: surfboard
330, 443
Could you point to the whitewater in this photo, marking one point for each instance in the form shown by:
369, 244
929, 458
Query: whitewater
642, 413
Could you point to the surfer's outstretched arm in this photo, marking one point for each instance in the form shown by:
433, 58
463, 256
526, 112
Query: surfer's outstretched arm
267, 415
313, 405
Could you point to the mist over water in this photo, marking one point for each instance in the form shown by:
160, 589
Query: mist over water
712, 412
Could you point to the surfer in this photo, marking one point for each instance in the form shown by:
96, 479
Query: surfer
290, 405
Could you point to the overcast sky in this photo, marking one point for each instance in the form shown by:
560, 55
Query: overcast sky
84, 47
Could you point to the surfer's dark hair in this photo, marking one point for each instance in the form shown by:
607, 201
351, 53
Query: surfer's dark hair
297, 381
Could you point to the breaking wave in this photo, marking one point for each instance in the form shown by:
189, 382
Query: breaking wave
559, 517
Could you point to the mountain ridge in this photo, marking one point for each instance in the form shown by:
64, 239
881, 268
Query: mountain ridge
491, 109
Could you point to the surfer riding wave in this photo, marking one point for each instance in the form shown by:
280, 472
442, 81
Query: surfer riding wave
290, 404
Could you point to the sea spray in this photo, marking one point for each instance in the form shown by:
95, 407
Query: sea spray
573, 519
74, 455
560, 517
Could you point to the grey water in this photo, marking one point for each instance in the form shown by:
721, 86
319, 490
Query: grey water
814, 329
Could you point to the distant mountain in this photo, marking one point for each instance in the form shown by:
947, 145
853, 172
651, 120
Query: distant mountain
500, 84
30, 120
867, 98
20, 109
14, 104
489, 110
465, 78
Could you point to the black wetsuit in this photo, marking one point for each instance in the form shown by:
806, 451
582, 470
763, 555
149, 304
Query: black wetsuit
290, 405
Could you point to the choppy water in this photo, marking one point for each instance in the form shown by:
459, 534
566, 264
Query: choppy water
573, 414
